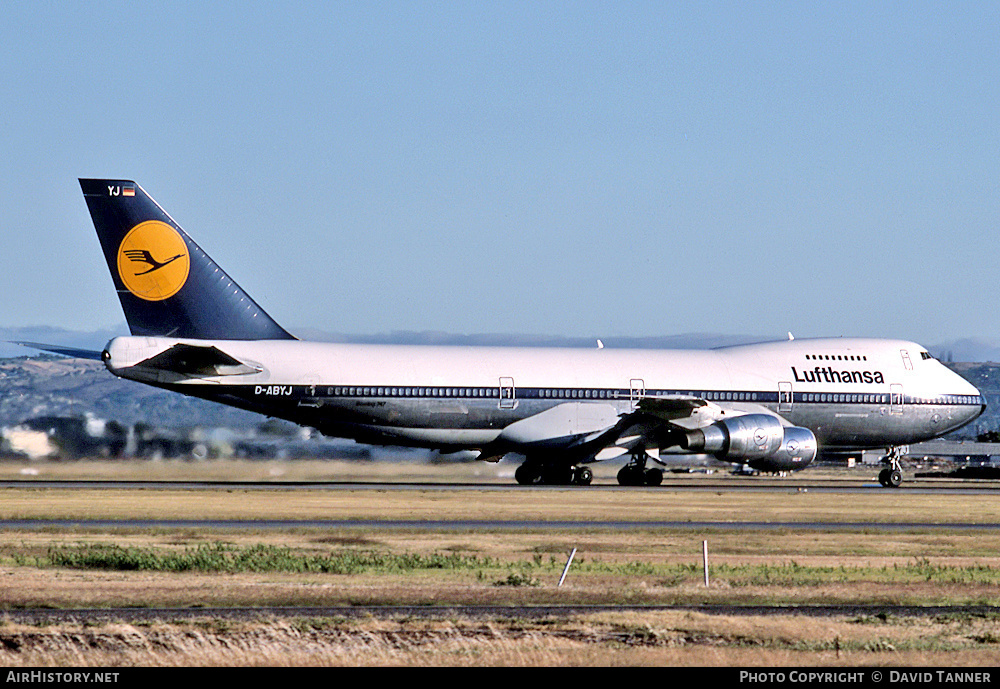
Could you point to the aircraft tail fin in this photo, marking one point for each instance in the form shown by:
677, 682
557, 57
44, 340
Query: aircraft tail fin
167, 285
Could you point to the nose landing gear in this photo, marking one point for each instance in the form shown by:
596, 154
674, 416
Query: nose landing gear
892, 475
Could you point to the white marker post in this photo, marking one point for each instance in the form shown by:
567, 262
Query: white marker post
566, 568
704, 560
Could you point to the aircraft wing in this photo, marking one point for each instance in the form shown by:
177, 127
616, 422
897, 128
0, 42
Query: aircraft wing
660, 423
656, 422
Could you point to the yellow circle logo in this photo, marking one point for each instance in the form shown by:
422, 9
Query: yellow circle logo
153, 261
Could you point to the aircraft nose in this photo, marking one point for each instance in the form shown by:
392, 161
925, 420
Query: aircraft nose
975, 411
972, 402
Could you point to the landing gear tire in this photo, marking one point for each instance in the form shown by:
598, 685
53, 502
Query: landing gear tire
528, 474
635, 475
533, 473
630, 475
890, 478
892, 475
653, 477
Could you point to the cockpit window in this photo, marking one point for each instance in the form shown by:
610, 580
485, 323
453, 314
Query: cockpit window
924, 356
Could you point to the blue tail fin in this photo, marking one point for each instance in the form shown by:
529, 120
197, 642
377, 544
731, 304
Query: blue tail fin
167, 285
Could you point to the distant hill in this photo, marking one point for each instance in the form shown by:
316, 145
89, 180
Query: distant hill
967, 349
49, 385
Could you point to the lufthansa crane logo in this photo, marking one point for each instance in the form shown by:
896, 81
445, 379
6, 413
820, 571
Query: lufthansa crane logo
153, 261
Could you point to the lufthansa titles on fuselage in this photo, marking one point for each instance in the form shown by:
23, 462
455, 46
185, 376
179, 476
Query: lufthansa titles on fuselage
825, 374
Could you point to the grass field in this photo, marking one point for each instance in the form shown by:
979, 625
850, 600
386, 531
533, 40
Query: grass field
197, 568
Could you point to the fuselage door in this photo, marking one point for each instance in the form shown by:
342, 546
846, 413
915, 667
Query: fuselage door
784, 396
309, 393
638, 390
895, 399
507, 399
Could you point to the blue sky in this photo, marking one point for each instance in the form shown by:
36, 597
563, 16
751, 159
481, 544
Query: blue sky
560, 168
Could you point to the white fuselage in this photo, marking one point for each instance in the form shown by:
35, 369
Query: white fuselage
851, 393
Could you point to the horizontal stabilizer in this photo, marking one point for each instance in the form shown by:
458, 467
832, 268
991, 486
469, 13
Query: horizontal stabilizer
73, 352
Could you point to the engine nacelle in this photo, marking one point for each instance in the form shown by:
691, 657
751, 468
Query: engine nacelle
755, 439
798, 450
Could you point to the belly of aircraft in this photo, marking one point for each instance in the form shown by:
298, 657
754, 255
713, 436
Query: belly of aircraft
875, 425
447, 423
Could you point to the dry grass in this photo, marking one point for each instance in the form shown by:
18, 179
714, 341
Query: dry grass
658, 639
654, 567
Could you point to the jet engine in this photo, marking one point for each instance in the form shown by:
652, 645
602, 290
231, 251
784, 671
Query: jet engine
758, 440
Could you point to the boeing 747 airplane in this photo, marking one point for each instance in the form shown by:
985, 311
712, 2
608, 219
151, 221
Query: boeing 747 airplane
772, 406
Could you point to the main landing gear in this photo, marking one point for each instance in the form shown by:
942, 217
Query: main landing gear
635, 472
533, 473
892, 476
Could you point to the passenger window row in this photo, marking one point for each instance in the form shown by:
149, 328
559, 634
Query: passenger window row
600, 394
836, 357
